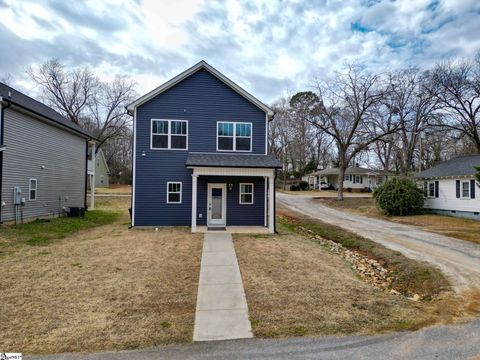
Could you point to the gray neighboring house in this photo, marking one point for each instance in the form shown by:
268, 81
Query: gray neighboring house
450, 187
44, 159
102, 172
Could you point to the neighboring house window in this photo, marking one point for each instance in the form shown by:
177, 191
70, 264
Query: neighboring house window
347, 177
357, 179
169, 134
101, 179
174, 192
431, 189
234, 136
32, 189
465, 189
246, 193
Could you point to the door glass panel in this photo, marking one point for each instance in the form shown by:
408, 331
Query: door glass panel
216, 203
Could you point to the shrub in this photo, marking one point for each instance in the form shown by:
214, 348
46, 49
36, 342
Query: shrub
294, 187
399, 196
303, 185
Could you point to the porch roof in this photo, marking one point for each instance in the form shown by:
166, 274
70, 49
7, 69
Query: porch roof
232, 160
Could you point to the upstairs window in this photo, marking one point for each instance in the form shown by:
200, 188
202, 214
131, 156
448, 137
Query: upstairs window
32, 189
169, 134
234, 136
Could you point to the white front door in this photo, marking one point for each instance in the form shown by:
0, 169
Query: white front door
217, 204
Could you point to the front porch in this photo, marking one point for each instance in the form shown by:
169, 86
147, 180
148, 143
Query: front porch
234, 200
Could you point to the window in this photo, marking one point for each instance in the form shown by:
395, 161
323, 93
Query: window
465, 189
246, 193
174, 192
32, 189
347, 177
431, 189
169, 134
234, 136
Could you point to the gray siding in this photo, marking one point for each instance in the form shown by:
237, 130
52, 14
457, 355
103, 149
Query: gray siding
32, 144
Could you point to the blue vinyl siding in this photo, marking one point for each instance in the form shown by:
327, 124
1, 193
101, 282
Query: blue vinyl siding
203, 100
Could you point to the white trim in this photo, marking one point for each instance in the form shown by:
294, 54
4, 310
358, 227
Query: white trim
223, 220
265, 201
244, 193
266, 134
235, 136
169, 135
227, 171
201, 65
469, 190
30, 189
174, 192
194, 204
271, 205
134, 164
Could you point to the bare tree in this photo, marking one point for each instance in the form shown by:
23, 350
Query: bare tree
348, 112
6, 79
81, 97
67, 91
456, 86
413, 107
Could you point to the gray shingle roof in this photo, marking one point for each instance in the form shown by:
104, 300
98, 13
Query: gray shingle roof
460, 166
349, 171
17, 98
232, 160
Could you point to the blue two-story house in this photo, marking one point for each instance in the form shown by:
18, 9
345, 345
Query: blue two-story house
201, 155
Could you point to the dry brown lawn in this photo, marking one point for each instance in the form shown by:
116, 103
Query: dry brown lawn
464, 229
115, 189
295, 287
324, 193
102, 288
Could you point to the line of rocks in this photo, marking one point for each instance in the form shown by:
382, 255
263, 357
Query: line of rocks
370, 270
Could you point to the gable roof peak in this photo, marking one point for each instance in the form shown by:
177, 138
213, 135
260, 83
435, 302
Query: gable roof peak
202, 64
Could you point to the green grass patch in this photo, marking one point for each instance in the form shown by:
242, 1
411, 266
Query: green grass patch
42, 232
409, 276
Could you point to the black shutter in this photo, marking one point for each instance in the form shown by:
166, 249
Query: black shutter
458, 188
425, 189
361, 179
436, 189
472, 189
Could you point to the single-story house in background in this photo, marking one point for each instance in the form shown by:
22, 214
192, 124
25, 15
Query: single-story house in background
356, 178
450, 187
201, 155
43, 159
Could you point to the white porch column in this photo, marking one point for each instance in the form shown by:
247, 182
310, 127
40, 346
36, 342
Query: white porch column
265, 213
271, 204
194, 203
92, 179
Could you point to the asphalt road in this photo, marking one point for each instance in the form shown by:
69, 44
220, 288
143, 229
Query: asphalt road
458, 259
441, 342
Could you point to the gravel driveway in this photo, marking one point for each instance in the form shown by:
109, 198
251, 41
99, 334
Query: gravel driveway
458, 259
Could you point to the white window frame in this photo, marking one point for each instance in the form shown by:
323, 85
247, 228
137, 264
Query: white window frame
174, 192
235, 135
468, 187
169, 135
240, 193
30, 189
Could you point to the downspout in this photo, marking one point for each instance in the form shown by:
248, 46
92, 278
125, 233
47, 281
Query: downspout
2, 128
86, 174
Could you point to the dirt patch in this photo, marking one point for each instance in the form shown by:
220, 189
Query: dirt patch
464, 229
294, 287
106, 288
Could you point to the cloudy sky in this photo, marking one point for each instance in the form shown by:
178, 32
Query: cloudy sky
267, 47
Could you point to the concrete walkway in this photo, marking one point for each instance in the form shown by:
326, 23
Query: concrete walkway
222, 311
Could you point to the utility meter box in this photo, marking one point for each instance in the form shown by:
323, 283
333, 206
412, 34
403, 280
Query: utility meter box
17, 195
